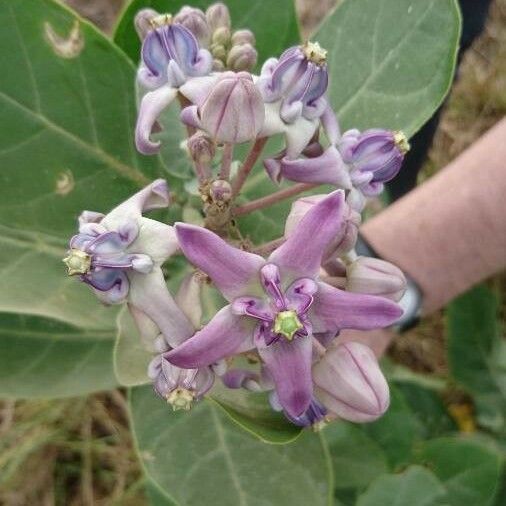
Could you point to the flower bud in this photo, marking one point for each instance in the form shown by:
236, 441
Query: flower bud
243, 37
221, 36
201, 147
218, 16
347, 237
350, 384
195, 20
179, 387
375, 277
242, 57
220, 191
374, 157
143, 22
218, 51
232, 112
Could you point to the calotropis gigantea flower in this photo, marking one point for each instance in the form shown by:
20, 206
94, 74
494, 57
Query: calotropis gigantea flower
119, 255
376, 277
277, 305
229, 108
362, 162
170, 56
346, 237
350, 384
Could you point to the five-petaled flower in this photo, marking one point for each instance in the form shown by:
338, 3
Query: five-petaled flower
277, 305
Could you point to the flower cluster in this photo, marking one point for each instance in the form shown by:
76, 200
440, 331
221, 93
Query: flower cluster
285, 302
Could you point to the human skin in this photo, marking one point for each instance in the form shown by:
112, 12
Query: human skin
449, 233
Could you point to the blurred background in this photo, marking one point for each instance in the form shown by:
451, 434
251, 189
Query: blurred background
79, 451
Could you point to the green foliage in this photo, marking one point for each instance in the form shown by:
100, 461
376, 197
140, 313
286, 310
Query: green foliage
469, 471
477, 353
202, 457
272, 38
414, 487
391, 62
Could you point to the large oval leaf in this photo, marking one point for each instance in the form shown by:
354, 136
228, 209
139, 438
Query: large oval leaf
68, 108
257, 15
202, 457
391, 61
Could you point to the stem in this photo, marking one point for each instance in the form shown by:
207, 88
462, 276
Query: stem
269, 247
248, 165
226, 161
274, 198
203, 172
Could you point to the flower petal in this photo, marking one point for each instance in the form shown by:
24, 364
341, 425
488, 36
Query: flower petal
233, 271
224, 335
289, 364
188, 298
149, 294
334, 310
155, 239
300, 256
153, 196
328, 168
152, 105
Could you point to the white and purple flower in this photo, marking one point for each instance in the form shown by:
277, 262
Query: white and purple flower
278, 305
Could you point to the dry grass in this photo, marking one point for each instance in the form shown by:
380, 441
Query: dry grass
79, 451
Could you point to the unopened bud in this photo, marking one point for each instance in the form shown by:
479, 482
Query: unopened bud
218, 65
195, 20
375, 277
350, 384
143, 22
242, 57
243, 37
218, 51
218, 16
221, 36
220, 191
201, 148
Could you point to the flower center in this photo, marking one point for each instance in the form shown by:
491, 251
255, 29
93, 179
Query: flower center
180, 398
77, 262
401, 142
314, 52
287, 323
160, 20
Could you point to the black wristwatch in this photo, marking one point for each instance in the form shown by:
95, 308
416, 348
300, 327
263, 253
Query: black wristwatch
411, 301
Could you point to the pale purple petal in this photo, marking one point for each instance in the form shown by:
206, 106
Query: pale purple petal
152, 105
149, 294
330, 125
289, 364
328, 168
335, 309
188, 298
239, 378
190, 116
223, 336
300, 256
233, 271
300, 294
350, 384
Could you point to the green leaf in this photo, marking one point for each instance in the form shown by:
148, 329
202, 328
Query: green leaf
477, 353
414, 487
469, 471
357, 458
131, 359
391, 62
396, 431
253, 413
202, 457
45, 358
69, 111
257, 15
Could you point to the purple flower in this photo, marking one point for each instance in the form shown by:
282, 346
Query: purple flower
195, 20
179, 387
376, 277
277, 305
293, 89
232, 111
315, 415
119, 256
374, 157
170, 57
350, 384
